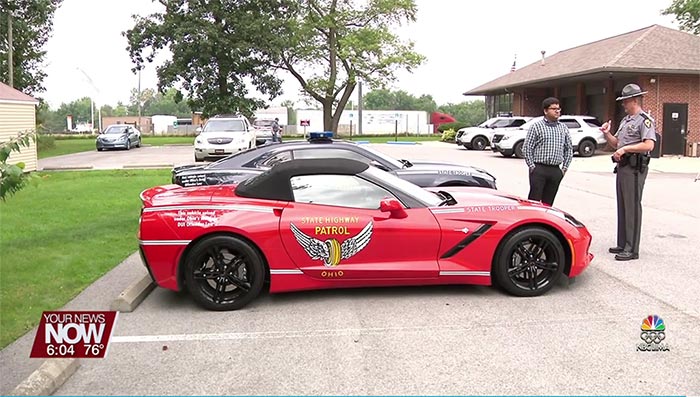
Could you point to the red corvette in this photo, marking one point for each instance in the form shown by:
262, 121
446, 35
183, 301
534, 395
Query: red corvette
338, 223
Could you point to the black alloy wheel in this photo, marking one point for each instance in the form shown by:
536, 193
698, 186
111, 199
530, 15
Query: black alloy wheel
586, 148
530, 262
479, 143
224, 273
518, 150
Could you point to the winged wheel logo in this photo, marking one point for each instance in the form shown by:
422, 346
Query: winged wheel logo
331, 251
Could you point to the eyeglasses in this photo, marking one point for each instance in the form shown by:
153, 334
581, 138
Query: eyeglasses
555, 109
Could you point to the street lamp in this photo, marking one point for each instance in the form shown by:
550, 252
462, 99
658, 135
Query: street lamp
92, 106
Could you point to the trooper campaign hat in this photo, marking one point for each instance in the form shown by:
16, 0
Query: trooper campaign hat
630, 91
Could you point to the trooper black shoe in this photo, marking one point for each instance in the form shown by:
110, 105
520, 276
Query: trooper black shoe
615, 250
626, 256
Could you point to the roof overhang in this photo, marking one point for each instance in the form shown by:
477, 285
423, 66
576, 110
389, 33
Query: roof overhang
580, 75
21, 102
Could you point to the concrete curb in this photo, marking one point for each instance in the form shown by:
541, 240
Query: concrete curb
133, 295
401, 143
136, 166
67, 168
47, 378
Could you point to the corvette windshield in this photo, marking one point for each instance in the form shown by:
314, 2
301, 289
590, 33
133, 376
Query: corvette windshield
429, 198
394, 162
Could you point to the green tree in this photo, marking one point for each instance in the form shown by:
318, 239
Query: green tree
687, 14
218, 47
384, 99
291, 112
469, 112
48, 120
381, 99
334, 44
78, 109
32, 23
166, 103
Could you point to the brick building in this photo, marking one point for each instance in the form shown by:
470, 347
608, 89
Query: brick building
587, 79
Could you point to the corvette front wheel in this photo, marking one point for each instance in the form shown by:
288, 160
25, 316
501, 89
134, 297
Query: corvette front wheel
224, 273
530, 262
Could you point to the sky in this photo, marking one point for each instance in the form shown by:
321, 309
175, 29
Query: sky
466, 43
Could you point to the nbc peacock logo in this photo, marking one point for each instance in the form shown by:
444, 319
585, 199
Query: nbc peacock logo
653, 334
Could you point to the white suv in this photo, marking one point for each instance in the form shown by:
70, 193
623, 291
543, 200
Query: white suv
223, 136
586, 136
479, 137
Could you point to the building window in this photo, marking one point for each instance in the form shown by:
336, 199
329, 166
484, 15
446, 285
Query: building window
500, 105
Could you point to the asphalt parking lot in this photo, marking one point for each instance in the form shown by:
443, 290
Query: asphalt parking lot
578, 339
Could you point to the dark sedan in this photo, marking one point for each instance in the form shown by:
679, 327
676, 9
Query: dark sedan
242, 165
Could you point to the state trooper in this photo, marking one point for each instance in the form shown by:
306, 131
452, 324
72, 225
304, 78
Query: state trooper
634, 140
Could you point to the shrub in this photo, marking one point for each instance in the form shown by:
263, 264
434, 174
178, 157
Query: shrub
454, 126
448, 135
45, 142
12, 176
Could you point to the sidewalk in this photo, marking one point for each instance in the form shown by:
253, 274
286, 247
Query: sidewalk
667, 164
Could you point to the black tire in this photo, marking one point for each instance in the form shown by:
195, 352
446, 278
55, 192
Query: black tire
128, 144
139, 143
529, 262
479, 143
586, 148
230, 281
518, 150
507, 153
196, 160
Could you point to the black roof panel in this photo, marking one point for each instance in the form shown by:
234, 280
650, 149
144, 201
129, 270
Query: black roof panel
274, 184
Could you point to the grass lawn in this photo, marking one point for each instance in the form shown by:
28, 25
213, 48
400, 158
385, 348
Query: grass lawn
59, 237
67, 146
76, 145
168, 140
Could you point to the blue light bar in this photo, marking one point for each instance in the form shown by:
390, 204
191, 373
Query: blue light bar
321, 135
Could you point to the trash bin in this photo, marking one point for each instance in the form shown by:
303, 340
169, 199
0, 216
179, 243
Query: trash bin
656, 153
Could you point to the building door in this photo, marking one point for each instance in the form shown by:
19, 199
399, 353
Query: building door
675, 128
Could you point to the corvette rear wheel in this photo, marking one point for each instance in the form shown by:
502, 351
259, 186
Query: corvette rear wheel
530, 262
224, 273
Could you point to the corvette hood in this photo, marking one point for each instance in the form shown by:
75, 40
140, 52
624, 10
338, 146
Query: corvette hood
474, 196
444, 166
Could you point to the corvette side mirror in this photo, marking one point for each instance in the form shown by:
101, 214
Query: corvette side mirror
393, 206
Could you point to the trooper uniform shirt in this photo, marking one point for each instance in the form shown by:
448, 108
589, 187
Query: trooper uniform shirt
635, 129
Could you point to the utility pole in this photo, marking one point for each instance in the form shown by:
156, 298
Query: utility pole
139, 98
359, 108
9, 48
